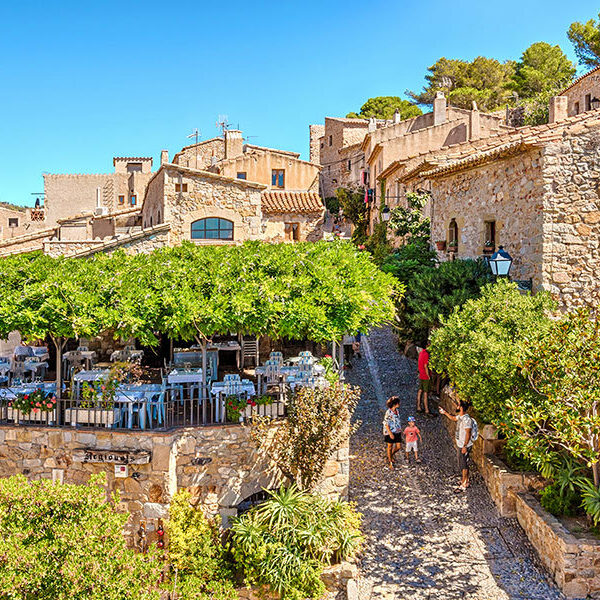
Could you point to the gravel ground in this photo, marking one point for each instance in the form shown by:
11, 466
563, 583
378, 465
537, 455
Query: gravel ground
424, 540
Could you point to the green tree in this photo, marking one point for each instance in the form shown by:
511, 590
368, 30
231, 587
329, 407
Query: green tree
482, 344
408, 221
585, 38
384, 107
485, 81
66, 542
353, 206
542, 67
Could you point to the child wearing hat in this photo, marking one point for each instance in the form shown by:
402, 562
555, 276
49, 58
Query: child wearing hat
411, 435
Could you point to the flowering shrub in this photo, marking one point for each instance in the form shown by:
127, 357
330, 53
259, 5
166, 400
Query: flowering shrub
235, 405
331, 373
36, 401
101, 394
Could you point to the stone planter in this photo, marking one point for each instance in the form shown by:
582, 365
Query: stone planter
12, 414
268, 410
92, 416
441, 245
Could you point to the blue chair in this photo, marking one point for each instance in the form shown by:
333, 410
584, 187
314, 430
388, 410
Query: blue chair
155, 406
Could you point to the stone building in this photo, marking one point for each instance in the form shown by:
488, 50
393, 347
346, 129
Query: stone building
12, 222
216, 191
534, 190
582, 93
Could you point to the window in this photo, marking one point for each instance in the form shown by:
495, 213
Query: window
576, 108
133, 200
121, 199
212, 228
322, 145
278, 178
490, 234
588, 102
349, 165
331, 140
134, 167
150, 221
158, 217
13, 222
453, 235
241, 175
181, 187
292, 232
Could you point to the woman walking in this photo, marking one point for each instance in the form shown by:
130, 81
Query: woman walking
392, 428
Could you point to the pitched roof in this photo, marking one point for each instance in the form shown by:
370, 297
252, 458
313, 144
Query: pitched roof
284, 201
578, 80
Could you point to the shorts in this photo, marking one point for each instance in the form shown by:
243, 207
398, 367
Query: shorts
397, 438
412, 446
463, 459
424, 384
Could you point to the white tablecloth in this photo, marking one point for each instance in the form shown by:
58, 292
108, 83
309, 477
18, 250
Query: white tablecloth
91, 375
181, 376
244, 388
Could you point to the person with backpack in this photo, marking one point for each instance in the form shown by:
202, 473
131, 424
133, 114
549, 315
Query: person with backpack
466, 434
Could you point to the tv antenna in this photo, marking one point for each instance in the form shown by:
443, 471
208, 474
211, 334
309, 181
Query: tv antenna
223, 123
196, 135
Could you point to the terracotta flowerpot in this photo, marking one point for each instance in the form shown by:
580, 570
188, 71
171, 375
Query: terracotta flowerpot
441, 245
488, 249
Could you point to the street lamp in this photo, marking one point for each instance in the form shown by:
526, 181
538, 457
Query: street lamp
386, 213
500, 262
595, 103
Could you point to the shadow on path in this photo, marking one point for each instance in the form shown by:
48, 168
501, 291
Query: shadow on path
424, 540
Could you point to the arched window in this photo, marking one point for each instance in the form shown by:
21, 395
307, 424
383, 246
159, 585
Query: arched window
453, 234
158, 217
212, 228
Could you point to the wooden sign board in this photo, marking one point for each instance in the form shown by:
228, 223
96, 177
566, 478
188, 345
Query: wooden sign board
120, 457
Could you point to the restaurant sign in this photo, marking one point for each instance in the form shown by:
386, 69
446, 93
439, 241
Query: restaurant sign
120, 457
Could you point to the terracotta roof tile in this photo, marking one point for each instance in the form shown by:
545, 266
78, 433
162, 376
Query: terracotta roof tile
284, 201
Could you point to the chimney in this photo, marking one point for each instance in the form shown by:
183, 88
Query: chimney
164, 157
372, 124
439, 109
234, 144
396, 116
474, 123
558, 109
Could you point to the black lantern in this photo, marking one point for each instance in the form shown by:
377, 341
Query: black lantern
386, 213
500, 262
595, 103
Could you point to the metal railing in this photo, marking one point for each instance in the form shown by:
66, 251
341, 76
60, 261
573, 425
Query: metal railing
163, 412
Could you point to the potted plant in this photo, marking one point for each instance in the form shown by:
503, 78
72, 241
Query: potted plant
270, 409
441, 245
453, 246
36, 406
488, 247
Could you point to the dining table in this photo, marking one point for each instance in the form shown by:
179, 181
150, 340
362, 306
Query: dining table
288, 372
89, 376
219, 389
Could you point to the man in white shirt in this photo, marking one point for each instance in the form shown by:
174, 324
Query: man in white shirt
464, 443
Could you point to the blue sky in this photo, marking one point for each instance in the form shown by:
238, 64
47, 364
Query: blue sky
83, 82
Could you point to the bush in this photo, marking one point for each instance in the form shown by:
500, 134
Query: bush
318, 423
286, 542
63, 542
481, 345
196, 553
560, 503
332, 204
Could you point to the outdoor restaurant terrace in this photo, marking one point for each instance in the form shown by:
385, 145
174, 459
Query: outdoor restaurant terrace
198, 335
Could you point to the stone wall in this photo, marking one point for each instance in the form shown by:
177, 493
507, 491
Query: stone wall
508, 191
316, 132
311, 226
574, 563
26, 242
571, 228
208, 195
202, 155
6, 216
219, 465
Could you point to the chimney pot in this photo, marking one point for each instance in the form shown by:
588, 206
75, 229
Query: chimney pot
164, 157
558, 109
439, 109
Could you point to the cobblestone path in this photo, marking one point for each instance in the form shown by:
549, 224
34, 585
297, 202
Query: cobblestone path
424, 540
